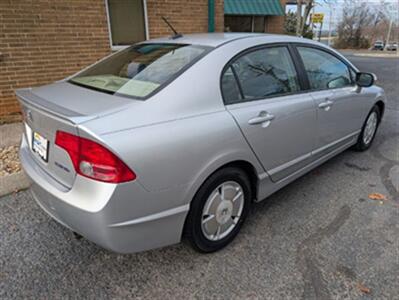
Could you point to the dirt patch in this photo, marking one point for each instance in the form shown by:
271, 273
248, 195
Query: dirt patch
9, 160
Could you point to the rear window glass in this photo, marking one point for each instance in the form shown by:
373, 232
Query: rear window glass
141, 70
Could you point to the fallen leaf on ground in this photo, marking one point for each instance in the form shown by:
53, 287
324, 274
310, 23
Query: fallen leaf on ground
377, 196
363, 289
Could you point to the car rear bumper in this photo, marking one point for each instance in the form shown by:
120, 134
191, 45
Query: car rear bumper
124, 218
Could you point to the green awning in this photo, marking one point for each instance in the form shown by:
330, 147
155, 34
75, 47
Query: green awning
253, 7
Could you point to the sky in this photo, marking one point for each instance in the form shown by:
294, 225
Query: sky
334, 10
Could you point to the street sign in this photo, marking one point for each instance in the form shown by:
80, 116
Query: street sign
317, 18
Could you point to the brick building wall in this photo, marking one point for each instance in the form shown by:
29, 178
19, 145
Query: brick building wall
46, 40
186, 16
275, 24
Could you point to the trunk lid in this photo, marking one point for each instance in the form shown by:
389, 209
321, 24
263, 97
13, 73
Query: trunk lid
72, 101
61, 106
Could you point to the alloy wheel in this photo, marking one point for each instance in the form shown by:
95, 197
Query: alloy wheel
371, 127
222, 210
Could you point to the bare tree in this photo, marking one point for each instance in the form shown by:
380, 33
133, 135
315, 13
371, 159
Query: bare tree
356, 16
377, 28
363, 23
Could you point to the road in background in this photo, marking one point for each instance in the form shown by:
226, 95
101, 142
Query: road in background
321, 237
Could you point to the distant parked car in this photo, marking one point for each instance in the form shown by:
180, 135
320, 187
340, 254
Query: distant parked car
392, 46
178, 136
378, 45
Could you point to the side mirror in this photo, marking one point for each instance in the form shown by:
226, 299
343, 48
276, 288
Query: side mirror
365, 79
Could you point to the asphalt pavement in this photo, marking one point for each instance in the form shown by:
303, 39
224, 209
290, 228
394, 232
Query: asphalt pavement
321, 237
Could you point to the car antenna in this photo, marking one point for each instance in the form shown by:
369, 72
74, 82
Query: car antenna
176, 34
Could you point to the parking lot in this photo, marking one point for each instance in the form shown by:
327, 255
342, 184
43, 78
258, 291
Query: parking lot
321, 237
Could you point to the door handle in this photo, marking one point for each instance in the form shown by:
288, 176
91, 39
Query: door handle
326, 105
263, 118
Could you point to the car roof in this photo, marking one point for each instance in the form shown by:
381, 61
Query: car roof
218, 39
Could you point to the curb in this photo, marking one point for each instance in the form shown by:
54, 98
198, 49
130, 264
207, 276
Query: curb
13, 183
380, 55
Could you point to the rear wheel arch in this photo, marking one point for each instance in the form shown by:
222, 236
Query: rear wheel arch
249, 170
249, 167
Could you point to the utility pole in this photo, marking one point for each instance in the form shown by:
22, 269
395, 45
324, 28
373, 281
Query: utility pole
389, 34
321, 28
311, 19
390, 11
330, 24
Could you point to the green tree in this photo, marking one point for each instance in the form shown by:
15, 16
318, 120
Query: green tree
290, 26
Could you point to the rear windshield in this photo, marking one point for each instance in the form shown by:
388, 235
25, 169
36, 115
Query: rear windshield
141, 70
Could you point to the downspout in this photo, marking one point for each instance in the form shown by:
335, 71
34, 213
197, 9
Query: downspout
211, 15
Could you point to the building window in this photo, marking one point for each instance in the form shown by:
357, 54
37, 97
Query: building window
126, 21
244, 23
258, 24
238, 23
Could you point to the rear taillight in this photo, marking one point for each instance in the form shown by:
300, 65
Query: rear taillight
93, 160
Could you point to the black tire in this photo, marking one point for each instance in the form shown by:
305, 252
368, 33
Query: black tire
193, 231
361, 145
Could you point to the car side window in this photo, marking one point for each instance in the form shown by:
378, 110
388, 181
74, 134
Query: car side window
230, 89
262, 73
324, 70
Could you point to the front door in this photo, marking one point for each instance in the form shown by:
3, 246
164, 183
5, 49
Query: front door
277, 120
340, 107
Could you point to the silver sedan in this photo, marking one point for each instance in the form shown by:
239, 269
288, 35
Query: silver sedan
176, 137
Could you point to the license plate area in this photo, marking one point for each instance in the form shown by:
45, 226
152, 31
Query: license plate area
40, 146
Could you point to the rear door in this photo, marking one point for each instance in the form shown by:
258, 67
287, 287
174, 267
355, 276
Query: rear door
263, 92
340, 106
